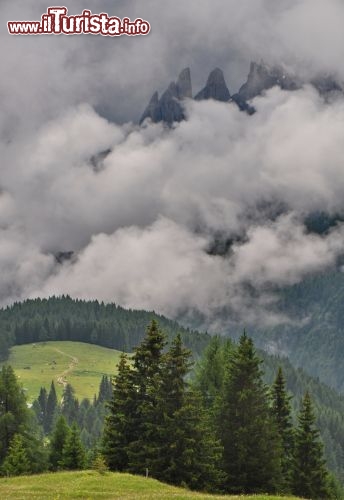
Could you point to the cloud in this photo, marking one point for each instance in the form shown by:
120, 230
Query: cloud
41, 75
144, 223
145, 268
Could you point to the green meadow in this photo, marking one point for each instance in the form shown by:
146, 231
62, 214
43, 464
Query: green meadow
90, 485
81, 365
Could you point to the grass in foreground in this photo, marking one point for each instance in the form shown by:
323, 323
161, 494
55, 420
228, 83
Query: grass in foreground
81, 365
91, 485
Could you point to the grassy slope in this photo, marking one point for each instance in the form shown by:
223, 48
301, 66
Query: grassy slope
82, 365
91, 485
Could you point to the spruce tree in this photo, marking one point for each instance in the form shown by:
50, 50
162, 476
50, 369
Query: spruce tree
57, 442
105, 390
51, 408
183, 448
16, 462
36, 451
118, 425
148, 362
13, 410
70, 405
252, 450
282, 414
73, 453
42, 401
210, 370
310, 476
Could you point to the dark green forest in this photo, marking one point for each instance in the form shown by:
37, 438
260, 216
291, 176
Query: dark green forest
107, 325
112, 326
219, 428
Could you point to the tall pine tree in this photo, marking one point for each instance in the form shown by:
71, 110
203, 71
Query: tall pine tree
57, 442
281, 409
118, 426
252, 453
310, 477
16, 462
148, 361
42, 402
51, 408
70, 405
73, 453
13, 409
183, 447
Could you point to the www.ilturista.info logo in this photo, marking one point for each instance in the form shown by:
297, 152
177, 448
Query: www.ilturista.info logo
56, 22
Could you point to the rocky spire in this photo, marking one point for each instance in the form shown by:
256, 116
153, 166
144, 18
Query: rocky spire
152, 111
184, 86
168, 108
263, 77
216, 88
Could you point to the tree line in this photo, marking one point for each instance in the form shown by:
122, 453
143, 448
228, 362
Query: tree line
93, 322
232, 435
220, 430
62, 318
51, 434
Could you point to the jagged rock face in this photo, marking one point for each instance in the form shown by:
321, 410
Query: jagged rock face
184, 86
168, 108
216, 88
152, 111
262, 77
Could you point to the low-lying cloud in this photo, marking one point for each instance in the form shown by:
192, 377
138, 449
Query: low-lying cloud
146, 221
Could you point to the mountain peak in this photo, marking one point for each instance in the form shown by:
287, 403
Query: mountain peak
216, 87
263, 77
184, 86
152, 110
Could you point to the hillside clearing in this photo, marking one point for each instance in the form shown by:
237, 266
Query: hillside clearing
81, 365
91, 485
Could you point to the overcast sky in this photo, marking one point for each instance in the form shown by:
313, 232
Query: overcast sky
142, 226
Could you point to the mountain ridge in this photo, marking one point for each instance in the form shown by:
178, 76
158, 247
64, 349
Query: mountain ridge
261, 77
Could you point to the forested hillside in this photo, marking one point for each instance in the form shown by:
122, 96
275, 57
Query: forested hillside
329, 405
107, 325
314, 338
112, 326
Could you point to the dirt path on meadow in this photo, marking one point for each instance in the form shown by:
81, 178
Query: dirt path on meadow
62, 378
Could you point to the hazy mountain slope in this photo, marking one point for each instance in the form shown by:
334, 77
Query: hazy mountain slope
314, 339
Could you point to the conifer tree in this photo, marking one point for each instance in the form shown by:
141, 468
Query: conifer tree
51, 408
57, 442
73, 454
13, 409
99, 464
282, 414
16, 462
148, 362
210, 370
70, 405
251, 457
105, 390
310, 477
118, 425
42, 401
183, 448
36, 450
